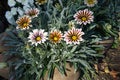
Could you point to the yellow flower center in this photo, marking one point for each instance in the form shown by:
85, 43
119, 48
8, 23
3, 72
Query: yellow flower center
74, 37
31, 14
90, 1
84, 18
25, 25
55, 38
38, 38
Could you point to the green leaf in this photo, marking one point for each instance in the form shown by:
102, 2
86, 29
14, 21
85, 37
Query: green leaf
51, 72
82, 62
3, 65
95, 55
85, 64
73, 49
61, 68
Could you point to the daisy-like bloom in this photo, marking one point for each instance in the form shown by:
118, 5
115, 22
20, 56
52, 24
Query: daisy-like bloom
40, 2
90, 3
55, 36
84, 17
32, 13
73, 36
37, 37
23, 22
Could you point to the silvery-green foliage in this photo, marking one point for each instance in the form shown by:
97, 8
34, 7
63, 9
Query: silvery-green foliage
10, 18
20, 11
26, 2
11, 3
14, 10
23, 2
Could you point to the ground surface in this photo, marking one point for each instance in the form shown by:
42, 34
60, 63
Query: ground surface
109, 69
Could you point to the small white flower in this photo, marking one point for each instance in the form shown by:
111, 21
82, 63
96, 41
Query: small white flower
71, 24
73, 36
37, 37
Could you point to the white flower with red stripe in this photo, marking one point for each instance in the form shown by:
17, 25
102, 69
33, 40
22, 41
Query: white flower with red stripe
73, 36
84, 17
90, 3
37, 37
32, 12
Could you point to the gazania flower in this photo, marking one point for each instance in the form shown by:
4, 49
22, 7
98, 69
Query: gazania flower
73, 36
40, 2
23, 22
32, 12
84, 17
90, 3
37, 36
55, 36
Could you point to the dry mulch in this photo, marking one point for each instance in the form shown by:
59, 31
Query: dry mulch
109, 69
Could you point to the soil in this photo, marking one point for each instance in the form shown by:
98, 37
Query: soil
1, 78
109, 69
